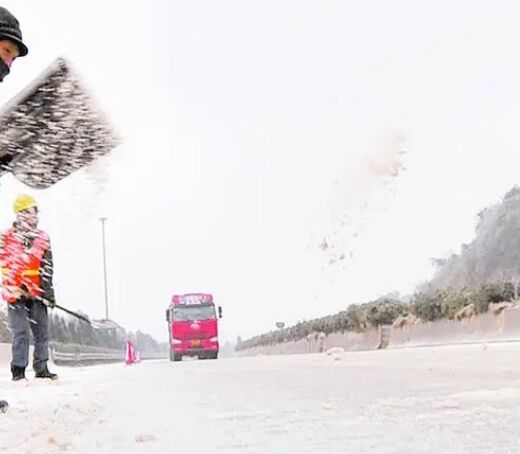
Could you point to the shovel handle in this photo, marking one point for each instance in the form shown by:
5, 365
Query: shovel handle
74, 314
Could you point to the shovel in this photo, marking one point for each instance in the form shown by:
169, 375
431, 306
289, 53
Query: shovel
52, 129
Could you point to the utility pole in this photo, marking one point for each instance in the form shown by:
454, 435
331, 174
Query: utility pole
103, 220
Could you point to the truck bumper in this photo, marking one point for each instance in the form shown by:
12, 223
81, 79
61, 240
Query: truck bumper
189, 348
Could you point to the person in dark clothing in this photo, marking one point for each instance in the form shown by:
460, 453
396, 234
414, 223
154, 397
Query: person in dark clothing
27, 268
11, 47
11, 44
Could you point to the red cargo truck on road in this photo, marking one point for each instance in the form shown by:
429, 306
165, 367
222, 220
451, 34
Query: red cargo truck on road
193, 326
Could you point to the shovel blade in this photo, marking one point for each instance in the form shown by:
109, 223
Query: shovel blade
105, 324
51, 129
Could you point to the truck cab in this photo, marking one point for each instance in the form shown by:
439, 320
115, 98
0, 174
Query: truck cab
193, 326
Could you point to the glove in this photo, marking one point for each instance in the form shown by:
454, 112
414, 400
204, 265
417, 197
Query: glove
50, 303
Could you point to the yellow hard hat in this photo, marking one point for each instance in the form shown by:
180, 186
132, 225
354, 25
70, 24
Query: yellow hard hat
24, 202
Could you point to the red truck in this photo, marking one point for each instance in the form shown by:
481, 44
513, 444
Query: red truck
193, 326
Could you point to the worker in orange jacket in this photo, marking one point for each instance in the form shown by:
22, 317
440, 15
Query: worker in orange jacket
27, 268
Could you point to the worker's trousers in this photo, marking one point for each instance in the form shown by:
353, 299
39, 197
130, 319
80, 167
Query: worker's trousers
25, 316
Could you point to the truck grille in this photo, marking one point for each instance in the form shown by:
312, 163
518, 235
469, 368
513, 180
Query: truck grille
190, 336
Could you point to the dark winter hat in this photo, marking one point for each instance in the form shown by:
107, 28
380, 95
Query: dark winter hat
10, 29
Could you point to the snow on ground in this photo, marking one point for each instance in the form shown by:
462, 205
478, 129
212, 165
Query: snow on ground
460, 399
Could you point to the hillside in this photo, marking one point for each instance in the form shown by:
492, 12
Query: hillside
494, 253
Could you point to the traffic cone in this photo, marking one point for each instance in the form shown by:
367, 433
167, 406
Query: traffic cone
130, 353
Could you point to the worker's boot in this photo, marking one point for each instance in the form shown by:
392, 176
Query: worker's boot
3, 406
18, 373
45, 373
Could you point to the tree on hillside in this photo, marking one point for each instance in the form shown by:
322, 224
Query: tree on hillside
494, 253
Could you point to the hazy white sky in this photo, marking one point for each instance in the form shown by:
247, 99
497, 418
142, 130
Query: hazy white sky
247, 124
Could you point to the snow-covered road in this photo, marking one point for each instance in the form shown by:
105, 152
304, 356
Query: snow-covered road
429, 400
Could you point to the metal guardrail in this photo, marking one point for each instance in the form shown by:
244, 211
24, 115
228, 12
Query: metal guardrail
83, 355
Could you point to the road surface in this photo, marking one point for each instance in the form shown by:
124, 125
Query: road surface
461, 399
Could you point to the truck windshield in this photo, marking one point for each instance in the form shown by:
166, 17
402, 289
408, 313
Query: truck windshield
190, 313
